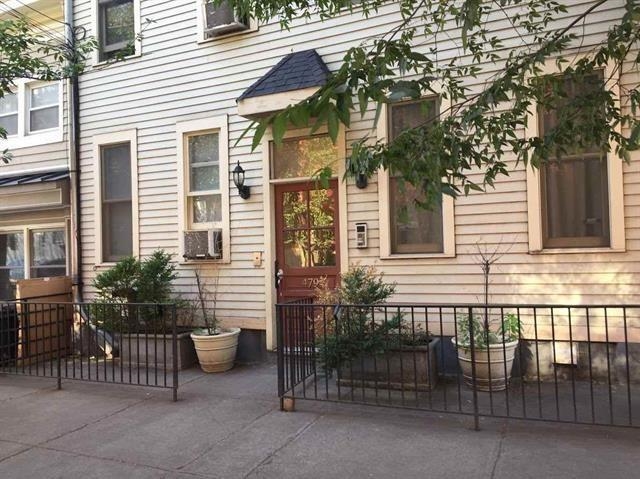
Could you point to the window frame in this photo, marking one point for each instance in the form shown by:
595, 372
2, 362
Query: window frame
98, 28
25, 138
100, 141
615, 185
26, 231
16, 114
201, 22
184, 130
384, 197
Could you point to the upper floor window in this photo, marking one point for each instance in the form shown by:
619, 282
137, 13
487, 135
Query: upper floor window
413, 229
117, 26
31, 114
9, 113
215, 22
574, 186
44, 107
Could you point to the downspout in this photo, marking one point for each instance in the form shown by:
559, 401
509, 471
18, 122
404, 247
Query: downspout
74, 160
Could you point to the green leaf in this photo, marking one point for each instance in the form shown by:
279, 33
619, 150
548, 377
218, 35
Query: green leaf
279, 128
333, 123
259, 133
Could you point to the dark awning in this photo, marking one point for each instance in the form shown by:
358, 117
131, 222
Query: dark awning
33, 178
296, 71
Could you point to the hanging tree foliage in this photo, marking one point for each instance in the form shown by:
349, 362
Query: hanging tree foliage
483, 127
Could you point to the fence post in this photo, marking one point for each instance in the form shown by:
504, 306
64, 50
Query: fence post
174, 346
476, 417
280, 355
59, 365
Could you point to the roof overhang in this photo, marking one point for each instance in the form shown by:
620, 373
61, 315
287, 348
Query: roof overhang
261, 106
293, 79
34, 191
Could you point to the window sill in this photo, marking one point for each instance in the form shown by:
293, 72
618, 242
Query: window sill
192, 262
204, 41
34, 139
577, 250
397, 256
106, 63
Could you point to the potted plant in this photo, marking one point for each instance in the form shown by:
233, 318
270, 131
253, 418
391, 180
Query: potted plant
216, 347
370, 351
131, 311
492, 352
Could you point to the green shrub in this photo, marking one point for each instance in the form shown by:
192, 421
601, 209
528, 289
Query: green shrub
148, 283
353, 331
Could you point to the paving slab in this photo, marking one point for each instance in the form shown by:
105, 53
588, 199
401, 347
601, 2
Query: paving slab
242, 452
48, 414
8, 449
163, 433
384, 444
47, 464
558, 451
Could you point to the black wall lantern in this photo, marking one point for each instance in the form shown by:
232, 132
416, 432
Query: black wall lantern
238, 180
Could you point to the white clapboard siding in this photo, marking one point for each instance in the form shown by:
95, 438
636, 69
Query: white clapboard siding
177, 79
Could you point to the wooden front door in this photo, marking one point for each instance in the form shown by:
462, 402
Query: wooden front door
307, 238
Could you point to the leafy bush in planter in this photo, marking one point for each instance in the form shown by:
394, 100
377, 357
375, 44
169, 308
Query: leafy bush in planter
353, 332
484, 333
147, 282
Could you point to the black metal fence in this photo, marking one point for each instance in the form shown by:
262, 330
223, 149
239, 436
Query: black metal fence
132, 344
562, 363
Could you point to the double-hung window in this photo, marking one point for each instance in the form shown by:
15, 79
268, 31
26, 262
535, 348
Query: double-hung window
116, 196
204, 198
9, 113
117, 25
575, 200
44, 107
413, 229
203, 182
117, 218
406, 228
31, 114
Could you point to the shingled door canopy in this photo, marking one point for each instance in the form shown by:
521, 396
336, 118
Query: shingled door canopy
294, 78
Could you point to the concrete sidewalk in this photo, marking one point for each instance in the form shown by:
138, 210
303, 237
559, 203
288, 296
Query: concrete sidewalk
229, 426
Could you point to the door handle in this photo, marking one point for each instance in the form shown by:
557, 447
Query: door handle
278, 276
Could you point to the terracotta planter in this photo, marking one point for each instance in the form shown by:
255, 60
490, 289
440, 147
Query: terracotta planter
217, 353
493, 365
409, 368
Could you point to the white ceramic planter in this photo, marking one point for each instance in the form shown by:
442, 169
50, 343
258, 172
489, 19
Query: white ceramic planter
493, 365
217, 353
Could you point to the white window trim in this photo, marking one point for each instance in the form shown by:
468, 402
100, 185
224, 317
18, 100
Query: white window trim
253, 25
27, 229
448, 210
95, 25
24, 139
614, 176
218, 124
130, 136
